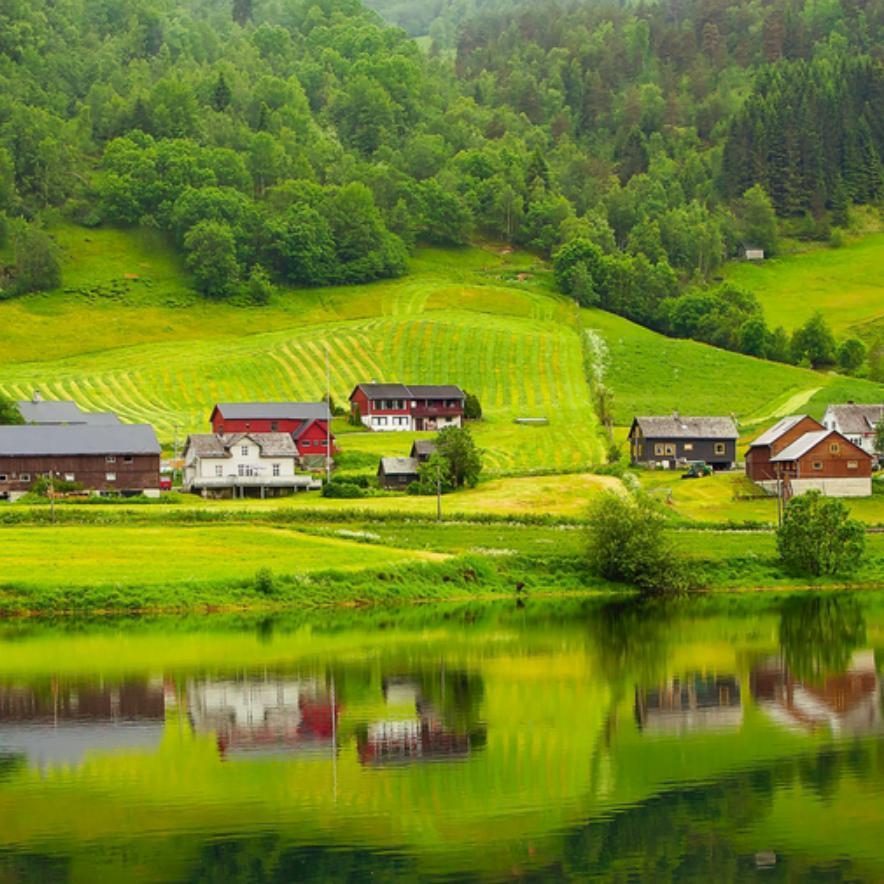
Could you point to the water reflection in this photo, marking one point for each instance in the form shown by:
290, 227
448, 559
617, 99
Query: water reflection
692, 703
581, 741
61, 721
262, 715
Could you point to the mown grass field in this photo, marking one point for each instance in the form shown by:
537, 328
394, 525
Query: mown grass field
87, 555
151, 351
846, 284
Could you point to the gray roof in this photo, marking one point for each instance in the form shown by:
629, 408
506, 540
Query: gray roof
399, 466
769, 436
801, 445
54, 440
213, 445
309, 411
411, 391
63, 412
856, 420
423, 448
675, 426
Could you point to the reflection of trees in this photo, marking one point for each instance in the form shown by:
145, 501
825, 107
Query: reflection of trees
819, 633
456, 696
630, 641
11, 763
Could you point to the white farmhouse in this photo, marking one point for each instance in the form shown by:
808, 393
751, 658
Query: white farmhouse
242, 464
857, 422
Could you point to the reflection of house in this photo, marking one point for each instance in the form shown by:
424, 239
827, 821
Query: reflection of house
61, 723
696, 702
262, 715
423, 737
848, 702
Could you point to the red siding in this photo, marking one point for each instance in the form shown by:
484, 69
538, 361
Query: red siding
316, 430
758, 465
307, 441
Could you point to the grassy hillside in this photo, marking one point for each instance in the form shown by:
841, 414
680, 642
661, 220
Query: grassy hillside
847, 284
653, 374
127, 334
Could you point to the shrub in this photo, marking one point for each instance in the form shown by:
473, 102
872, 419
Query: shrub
264, 581
9, 413
627, 543
40, 487
456, 445
819, 538
340, 489
472, 408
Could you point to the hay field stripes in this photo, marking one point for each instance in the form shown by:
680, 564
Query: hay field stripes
517, 366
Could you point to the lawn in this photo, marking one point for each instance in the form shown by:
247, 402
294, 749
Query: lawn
846, 284
652, 374
86, 555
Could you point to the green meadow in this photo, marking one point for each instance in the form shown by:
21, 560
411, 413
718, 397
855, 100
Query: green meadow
846, 284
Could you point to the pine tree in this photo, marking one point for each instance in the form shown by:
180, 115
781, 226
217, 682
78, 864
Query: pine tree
221, 94
242, 11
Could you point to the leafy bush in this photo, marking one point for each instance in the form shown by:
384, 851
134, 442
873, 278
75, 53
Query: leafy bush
264, 583
339, 489
40, 486
9, 413
628, 543
818, 537
472, 408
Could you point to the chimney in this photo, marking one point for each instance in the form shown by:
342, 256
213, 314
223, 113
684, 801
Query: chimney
36, 397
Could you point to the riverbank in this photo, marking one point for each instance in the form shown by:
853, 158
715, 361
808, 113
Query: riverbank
109, 561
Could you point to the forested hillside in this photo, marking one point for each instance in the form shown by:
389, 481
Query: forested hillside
292, 142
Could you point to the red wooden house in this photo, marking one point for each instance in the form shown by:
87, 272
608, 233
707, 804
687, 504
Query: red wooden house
306, 422
408, 407
770, 443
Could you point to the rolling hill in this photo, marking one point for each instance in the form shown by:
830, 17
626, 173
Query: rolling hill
127, 334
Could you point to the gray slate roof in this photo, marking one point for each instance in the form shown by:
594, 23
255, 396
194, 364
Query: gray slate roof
63, 412
54, 440
423, 448
856, 420
769, 436
399, 466
675, 426
304, 411
801, 446
411, 391
213, 445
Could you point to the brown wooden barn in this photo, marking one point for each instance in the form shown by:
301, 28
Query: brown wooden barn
772, 441
828, 462
122, 459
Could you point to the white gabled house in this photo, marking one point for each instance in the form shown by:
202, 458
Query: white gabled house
243, 464
859, 423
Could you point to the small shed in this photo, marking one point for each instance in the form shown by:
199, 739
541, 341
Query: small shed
423, 449
396, 473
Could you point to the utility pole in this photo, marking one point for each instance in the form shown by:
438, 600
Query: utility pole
328, 451
438, 492
52, 496
175, 453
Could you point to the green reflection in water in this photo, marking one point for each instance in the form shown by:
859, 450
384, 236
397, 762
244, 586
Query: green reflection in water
699, 741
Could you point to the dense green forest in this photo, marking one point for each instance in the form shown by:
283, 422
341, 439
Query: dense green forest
306, 142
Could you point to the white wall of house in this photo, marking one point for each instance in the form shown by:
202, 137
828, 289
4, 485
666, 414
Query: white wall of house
388, 422
245, 460
859, 487
866, 441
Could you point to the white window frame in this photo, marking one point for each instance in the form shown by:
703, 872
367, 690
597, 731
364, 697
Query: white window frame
110, 459
277, 470
108, 477
244, 450
219, 471
24, 477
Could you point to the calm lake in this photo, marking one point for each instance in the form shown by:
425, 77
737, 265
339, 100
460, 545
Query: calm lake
714, 740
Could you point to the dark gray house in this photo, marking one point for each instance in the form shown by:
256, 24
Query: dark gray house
396, 473
49, 412
423, 449
674, 440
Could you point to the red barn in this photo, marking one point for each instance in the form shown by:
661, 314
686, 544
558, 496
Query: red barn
827, 462
305, 422
770, 443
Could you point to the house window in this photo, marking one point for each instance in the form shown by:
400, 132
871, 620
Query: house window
670, 450
659, 449
24, 477
817, 464
2, 477
276, 469
129, 459
69, 477
689, 446
110, 459
719, 447
321, 443
274, 426
110, 477
221, 428
244, 450
834, 448
853, 465
219, 471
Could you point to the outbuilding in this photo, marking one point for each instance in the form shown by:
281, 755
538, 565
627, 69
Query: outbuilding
825, 461
397, 473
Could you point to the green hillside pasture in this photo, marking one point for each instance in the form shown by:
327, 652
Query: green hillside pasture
846, 284
653, 374
85, 555
517, 367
